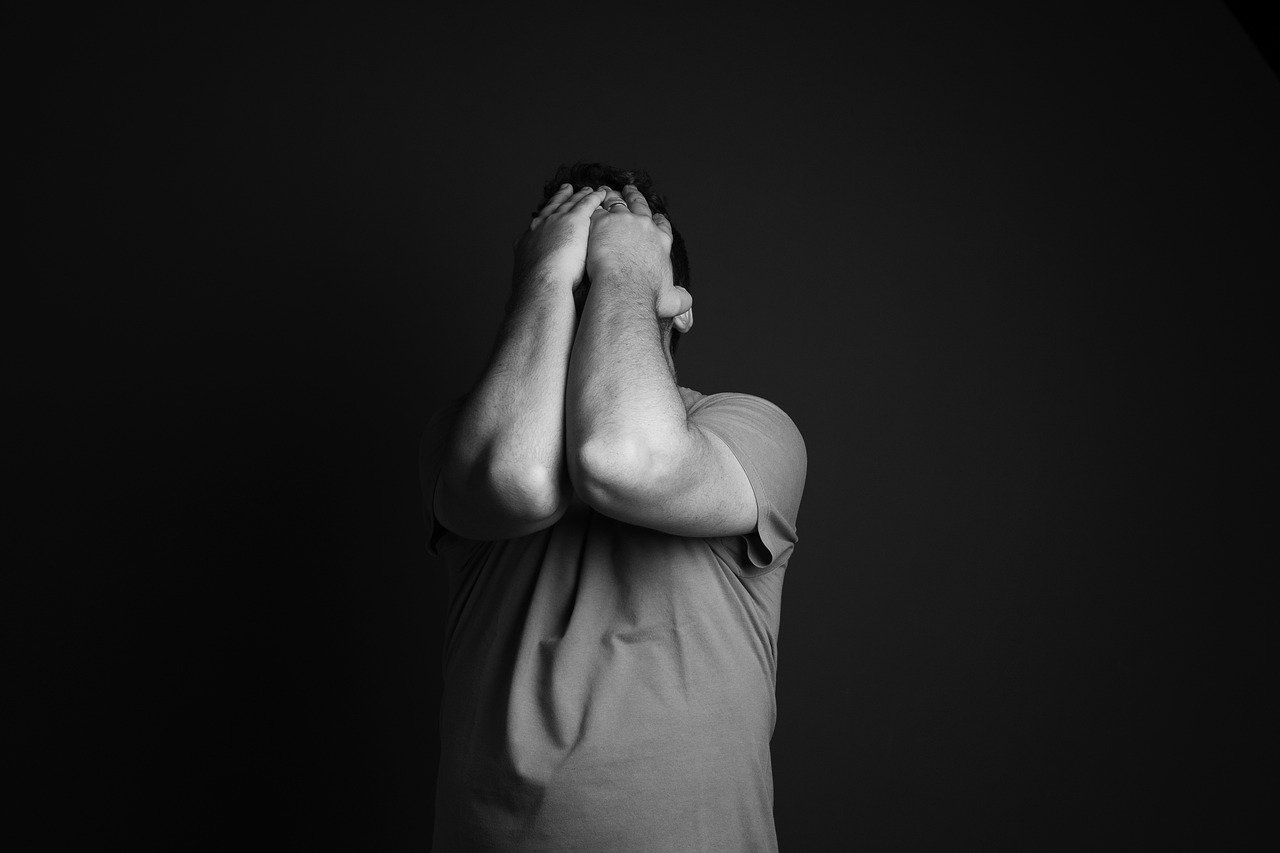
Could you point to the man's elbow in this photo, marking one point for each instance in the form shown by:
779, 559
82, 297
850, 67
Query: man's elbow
530, 494
603, 471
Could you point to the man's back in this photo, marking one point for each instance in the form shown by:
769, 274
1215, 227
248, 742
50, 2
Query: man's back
611, 687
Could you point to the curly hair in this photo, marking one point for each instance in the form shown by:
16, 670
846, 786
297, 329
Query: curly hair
599, 175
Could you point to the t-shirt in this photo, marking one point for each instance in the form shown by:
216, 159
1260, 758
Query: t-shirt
609, 687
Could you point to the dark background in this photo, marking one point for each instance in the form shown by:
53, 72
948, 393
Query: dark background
1003, 264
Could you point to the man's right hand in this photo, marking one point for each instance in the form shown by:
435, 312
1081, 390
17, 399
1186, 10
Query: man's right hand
554, 249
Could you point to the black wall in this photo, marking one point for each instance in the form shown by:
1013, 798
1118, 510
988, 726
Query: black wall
1005, 265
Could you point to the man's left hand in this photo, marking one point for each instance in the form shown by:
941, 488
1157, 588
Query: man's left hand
630, 245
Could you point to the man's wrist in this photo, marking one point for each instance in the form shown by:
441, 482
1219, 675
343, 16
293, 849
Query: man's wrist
625, 283
543, 281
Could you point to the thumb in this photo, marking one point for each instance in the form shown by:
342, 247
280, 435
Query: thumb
673, 302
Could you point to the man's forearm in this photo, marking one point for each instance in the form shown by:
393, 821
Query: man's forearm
513, 421
622, 399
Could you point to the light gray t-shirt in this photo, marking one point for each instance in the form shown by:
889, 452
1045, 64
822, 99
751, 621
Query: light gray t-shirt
609, 687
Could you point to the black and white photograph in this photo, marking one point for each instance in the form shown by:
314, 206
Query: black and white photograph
642, 428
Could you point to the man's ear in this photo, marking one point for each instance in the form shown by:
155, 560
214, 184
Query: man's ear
684, 322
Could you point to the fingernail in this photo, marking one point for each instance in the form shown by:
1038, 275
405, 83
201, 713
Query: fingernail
563, 186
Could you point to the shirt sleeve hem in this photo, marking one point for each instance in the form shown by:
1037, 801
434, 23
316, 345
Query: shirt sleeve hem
766, 549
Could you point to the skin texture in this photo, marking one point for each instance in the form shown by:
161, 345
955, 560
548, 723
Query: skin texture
627, 239
554, 248
503, 474
633, 452
623, 408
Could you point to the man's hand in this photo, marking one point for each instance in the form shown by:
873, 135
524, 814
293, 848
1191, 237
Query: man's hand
554, 248
630, 243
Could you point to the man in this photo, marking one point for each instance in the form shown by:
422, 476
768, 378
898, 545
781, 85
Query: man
616, 546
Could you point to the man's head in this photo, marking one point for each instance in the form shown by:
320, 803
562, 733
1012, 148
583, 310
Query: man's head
600, 175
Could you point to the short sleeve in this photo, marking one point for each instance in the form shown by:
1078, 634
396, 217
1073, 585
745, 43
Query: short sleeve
431, 452
772, 452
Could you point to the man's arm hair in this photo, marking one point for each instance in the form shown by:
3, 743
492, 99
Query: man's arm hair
635, 454
623, 401
504, 472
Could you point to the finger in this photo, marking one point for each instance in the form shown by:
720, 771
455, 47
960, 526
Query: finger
570, 203
556, 200
686, 298
611, 198
675, 301
636, 200
587, 201
660, 219
601, 208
